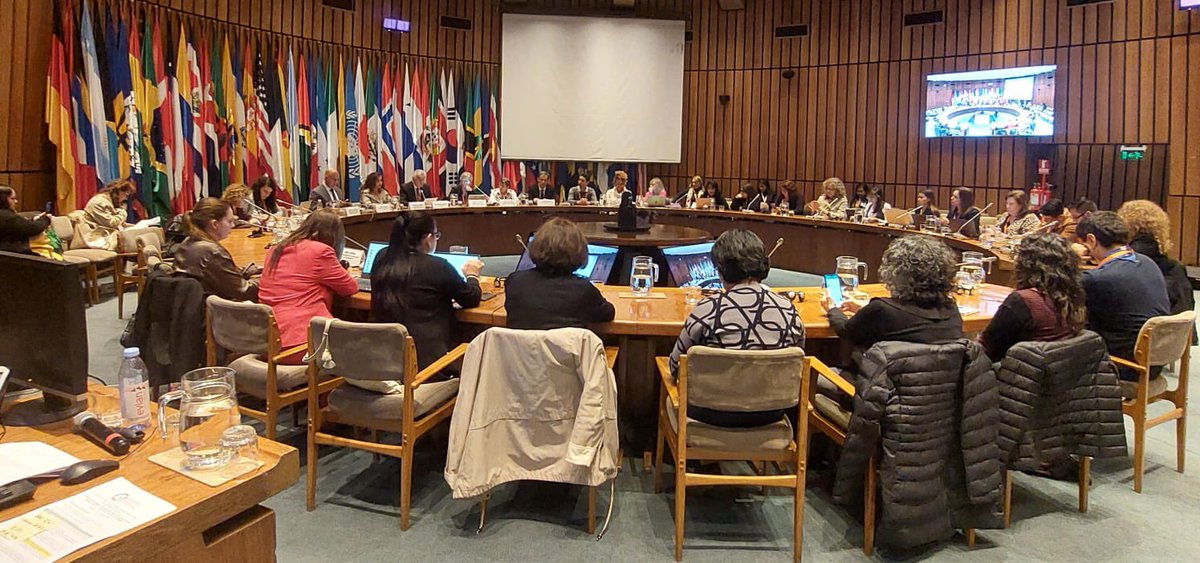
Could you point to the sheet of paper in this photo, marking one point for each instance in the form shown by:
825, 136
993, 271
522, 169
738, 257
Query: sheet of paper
23, 460
144, 223
55, 530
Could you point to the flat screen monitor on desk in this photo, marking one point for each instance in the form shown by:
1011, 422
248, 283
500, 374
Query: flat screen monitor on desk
600, 262
691, 265
373, 250
43, 337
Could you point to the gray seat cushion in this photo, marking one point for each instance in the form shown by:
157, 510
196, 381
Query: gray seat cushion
252, 376
1158, 386
357, 406
832, 411
92, 254
774, 437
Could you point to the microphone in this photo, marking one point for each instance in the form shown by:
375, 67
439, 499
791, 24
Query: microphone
975, 220
251, 204
1045, 227
356, 243
778, 243
521, 241
87, 424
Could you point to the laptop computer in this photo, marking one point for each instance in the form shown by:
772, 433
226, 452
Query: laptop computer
373, 250
691, 265
600, 262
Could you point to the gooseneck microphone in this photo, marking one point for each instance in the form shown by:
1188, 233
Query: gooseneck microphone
975, 220
521, 241
778, 243
100, 434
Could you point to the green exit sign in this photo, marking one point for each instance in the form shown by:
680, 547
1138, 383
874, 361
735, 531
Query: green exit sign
1133, 153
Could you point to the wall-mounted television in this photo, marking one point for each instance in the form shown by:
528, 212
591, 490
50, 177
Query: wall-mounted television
1003, 102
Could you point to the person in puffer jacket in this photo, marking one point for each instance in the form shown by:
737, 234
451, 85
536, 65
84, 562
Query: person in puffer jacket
932, 412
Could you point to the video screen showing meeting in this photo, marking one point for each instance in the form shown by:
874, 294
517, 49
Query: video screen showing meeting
692, 266
1007, 102
600, 262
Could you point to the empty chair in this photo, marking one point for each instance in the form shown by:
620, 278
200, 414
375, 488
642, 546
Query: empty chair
131, 264
735, 381
1162, 341
922, 437
98, 262
375, 385
1058, 399
248, 333
534, 405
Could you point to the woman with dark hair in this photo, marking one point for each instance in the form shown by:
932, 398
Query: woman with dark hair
201, 255
876, 204
263, 194
764, 189
105, 215
963, 211
302, 275
919, 272
551, 295
15, 230
712, 192
1048, 303
410, 287
859, 199
746, 316
787, 196
1017, 219
372, 191
925, 204
749, 199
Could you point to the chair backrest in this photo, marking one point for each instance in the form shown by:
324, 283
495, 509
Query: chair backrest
151, 255
987, 220
240, 327
148, 235
1163, 340
63, 227
744, 380
366, 351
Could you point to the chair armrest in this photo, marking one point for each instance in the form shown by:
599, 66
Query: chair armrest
610, 355
1128, 364
441, 364
668, 380
821, 370
289, 352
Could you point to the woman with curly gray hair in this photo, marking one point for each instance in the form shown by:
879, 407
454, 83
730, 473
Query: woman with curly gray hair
919, 272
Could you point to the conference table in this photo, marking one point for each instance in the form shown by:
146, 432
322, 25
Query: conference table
647, 327
222, 523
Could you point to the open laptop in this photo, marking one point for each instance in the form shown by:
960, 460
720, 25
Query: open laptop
691, 265
600, 262
373, 250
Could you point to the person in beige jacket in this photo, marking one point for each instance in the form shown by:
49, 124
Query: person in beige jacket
104, 216
546, 410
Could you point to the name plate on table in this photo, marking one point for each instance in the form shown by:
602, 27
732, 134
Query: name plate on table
416, 205
353, 256
477, 201
441, 204
353, 211
383, 207
508, 203
544, 202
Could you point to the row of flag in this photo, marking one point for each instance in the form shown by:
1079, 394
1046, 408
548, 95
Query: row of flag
184, 109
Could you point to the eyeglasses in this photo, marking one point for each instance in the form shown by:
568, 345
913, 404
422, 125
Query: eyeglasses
437, 235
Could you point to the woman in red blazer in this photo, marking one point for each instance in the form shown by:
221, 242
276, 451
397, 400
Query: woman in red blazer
303, 273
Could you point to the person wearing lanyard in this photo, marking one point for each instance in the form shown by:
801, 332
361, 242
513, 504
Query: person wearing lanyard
1124, 290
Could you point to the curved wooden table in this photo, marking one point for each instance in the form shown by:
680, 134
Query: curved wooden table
656, 235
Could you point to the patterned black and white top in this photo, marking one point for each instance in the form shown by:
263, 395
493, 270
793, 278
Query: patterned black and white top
747, 317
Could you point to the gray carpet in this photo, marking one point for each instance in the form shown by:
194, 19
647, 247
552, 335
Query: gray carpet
356, 518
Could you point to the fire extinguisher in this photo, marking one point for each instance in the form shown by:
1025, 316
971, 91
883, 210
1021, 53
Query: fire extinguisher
1039, 195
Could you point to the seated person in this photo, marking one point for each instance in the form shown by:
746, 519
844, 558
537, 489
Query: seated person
1124, 291
1081, 208
15, 230
746, 316
582, 193
415, 189
832, 203
858, 201
543, 189
302, 275
410, 287
612, 198
787, 198
201, 255
1017, 219
876, 205
712, 192
503, 192
919, 272
235, 197
695, 189
655, 189
1055, 212
464, 189
1150, 228
749, 199
329, 193
925, 205
105, 215
1048, 303
372, 191
263, 192
962, 208
551, 295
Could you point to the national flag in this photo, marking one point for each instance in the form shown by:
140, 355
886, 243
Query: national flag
438, 122
293, 126
471, 131
388, 121
213, 116
449, 127
413, 127
179, 153
255, 167
491, 141
92, 97
304, 136
119, 94
158, 104
354, 157
267, 113
232, 167
194, 97
58, 109
369, 125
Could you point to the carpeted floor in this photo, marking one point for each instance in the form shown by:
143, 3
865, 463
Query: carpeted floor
356, 515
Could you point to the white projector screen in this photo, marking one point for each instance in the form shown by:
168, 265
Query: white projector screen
577, 88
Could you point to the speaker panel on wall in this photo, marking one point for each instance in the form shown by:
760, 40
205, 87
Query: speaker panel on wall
451, 22
347, 5
795, 30
923, 18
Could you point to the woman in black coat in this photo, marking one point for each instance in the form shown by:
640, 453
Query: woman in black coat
15, 230
551, 295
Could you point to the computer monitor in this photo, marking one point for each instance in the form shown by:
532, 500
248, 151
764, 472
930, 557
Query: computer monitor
43, 337
456, 260
691, 265
373, 250
600, 262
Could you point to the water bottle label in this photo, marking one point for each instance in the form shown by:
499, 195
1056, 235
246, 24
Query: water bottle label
135, 402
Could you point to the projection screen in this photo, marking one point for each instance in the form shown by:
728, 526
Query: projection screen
580, 88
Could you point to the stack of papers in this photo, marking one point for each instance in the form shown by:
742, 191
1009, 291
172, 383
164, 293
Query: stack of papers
23, 460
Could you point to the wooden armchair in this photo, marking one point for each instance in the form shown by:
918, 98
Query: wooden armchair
131, 262
735, 380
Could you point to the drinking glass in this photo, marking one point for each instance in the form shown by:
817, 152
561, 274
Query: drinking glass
642, 276
207, 406
240, 444
691, 296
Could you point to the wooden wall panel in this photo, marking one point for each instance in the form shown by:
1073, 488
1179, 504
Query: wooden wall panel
25, 152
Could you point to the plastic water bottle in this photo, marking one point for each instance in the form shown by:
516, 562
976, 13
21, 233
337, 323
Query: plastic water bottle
135, 390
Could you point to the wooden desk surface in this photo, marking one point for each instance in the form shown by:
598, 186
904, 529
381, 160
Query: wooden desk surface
198, 506
657, 235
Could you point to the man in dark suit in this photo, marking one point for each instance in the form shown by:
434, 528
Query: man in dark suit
415, 189
329, 193
543, 189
